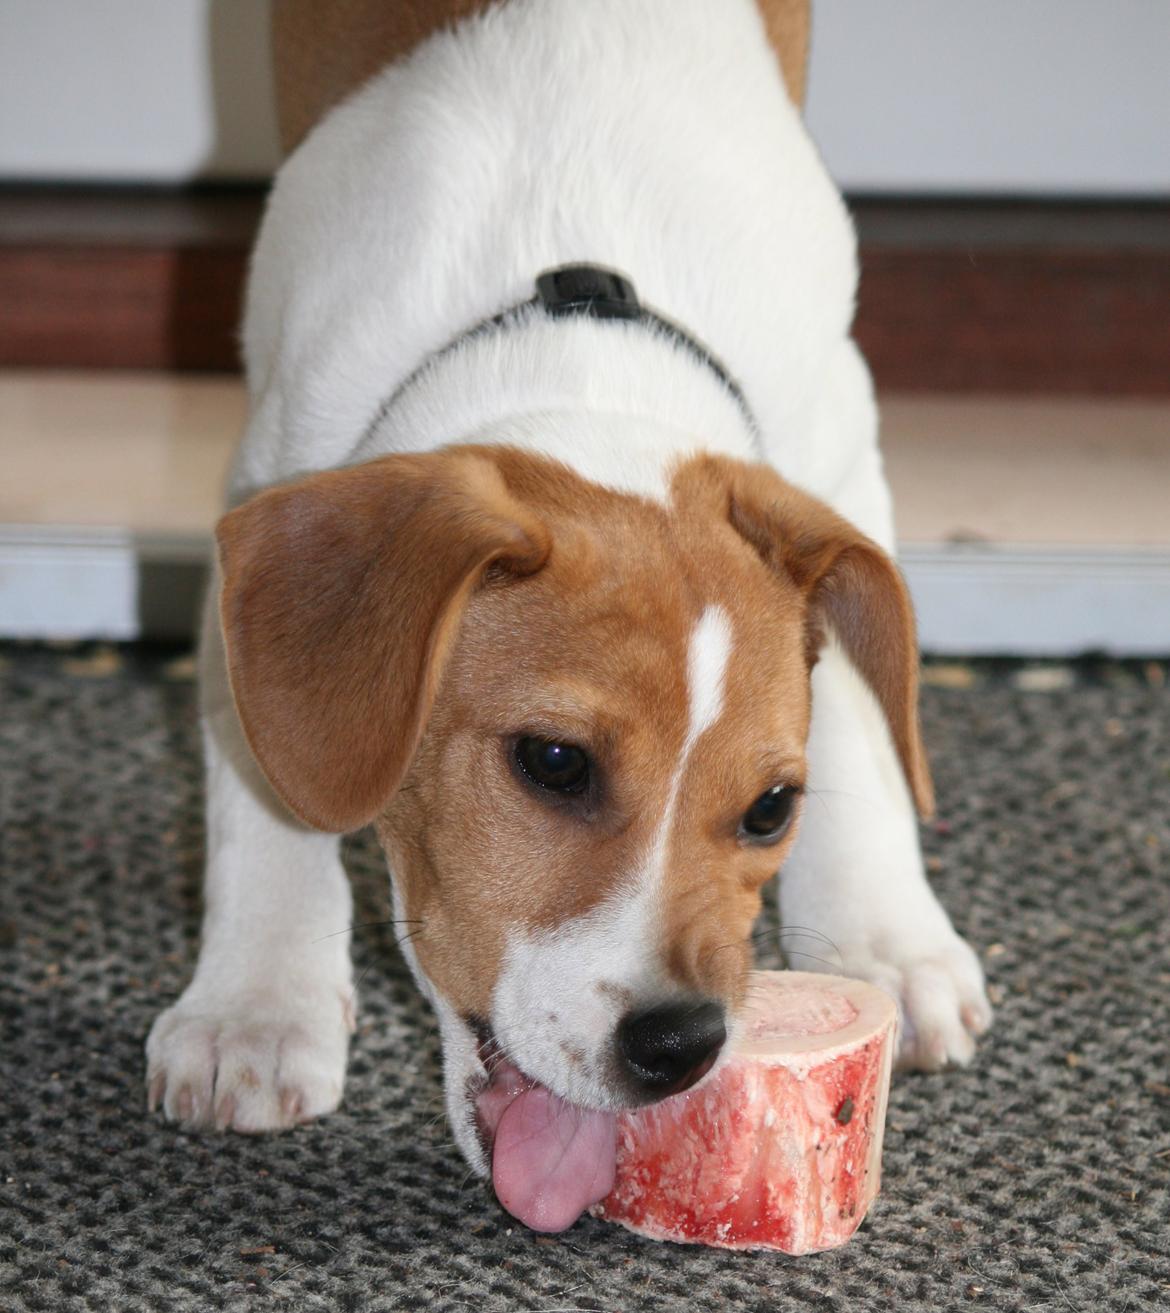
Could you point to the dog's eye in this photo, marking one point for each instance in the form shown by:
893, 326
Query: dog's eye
768, 817
560, 767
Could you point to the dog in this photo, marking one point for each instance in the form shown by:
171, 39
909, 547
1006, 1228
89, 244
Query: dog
560, 553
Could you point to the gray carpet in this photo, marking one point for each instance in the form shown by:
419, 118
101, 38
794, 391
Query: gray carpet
1039, 1179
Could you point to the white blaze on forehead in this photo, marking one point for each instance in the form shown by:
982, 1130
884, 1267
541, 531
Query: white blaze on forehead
707, 657
708, 654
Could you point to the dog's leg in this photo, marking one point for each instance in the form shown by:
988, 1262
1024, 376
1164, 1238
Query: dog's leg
258, 1040
854, 898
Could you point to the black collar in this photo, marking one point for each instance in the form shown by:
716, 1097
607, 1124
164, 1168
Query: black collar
599, 293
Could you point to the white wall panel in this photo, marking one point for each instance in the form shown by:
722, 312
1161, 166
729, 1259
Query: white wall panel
154, 90
905, 95
1043, 96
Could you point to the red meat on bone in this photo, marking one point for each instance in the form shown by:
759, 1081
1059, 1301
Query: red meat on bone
780, 1147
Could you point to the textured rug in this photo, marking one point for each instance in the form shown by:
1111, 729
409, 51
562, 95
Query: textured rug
1038, 1179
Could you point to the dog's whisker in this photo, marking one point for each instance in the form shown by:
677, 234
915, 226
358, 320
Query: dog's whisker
807, 932
354, 990
734, 943
795, 952
366, 925
818, 795
845, 793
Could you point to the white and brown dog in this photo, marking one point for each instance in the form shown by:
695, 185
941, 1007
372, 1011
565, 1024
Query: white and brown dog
577, 602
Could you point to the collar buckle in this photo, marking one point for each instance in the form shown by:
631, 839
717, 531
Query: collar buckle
587, 289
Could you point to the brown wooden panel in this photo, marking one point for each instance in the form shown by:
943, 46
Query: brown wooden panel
120, 307
954, 295
1016, 321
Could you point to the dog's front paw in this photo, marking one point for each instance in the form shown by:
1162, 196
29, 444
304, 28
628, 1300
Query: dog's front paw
256, 1061
940, 992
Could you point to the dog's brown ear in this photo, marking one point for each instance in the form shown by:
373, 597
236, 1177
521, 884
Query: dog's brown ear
342, 595
852, 588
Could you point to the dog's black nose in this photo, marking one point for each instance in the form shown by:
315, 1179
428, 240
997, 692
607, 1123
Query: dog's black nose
668, 1048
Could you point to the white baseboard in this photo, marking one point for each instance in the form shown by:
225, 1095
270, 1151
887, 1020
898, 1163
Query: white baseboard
1027, 601
61, 583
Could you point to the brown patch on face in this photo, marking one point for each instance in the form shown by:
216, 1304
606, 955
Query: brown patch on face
593, 650
850, 587
537, 603
589, 650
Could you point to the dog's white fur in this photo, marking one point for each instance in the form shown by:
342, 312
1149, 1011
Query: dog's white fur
653, 136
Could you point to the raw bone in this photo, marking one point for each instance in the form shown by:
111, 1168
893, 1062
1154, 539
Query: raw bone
780, 1148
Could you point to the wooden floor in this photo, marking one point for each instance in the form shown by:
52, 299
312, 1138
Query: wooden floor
146, 452
1056, 471
141, 452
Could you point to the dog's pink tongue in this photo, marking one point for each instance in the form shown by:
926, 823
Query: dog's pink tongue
551, 1160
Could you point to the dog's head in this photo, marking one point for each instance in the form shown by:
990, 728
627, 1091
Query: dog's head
577, 719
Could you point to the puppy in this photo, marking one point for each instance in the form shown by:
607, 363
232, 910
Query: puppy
560, 554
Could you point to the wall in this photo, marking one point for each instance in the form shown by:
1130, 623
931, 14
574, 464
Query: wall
135, 90
1022, 96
